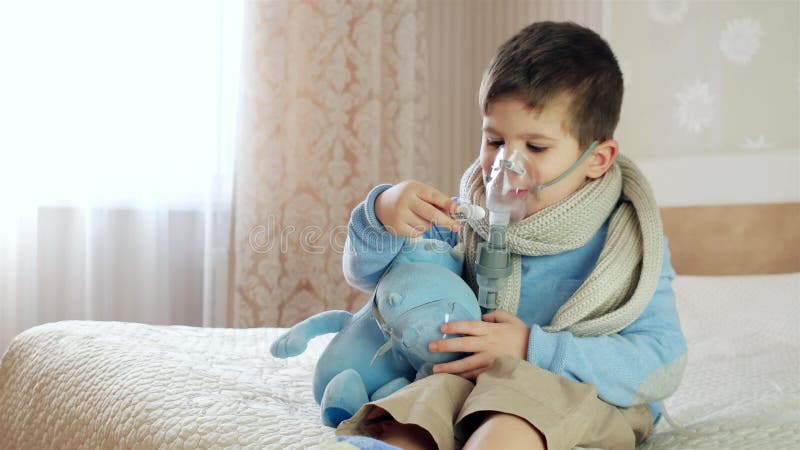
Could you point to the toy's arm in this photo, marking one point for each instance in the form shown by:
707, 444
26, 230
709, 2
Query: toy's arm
296, 339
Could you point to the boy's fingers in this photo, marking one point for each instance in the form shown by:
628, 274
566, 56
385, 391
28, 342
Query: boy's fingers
471, 327
412, 230
436, 198
432, 214
473, 374
460, 365
419, 223
498, 316
468, 344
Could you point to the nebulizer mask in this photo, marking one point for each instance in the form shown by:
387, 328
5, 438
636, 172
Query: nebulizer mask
513, 186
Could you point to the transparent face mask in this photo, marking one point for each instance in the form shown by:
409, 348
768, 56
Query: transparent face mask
512, 185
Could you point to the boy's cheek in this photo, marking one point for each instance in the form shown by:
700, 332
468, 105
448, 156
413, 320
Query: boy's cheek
486, 165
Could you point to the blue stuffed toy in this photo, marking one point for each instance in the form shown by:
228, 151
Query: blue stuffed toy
384, 346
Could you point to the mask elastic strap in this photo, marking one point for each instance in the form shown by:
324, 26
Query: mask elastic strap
577, 163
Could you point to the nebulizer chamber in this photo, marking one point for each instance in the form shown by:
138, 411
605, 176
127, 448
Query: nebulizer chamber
511, 186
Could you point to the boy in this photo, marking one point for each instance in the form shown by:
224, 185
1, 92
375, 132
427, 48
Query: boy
581, 352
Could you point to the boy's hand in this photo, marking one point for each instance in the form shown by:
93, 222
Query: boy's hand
500, 333
410, 208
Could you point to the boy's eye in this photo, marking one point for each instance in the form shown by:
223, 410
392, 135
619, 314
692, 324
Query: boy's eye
499, 142
536, 148
495, 143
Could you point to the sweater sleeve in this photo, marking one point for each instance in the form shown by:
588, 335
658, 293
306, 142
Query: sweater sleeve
370, 247
642, 363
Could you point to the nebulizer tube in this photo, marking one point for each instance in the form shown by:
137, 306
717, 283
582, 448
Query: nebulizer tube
468, 211
511, 187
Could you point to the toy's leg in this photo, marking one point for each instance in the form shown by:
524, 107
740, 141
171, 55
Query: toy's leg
389, 388
344, 394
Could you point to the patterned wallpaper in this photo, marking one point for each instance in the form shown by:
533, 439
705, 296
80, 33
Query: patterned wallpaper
334, 103
707, 77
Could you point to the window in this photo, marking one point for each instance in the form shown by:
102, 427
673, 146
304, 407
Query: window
116, 102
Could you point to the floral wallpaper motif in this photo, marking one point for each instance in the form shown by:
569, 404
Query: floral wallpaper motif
695, 109
740, 40
668, 12
710, 76
334, 102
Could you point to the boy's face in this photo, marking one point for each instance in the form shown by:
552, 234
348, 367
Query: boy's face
549, 149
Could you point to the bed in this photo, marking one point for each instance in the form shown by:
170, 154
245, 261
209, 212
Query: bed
82, 384
113, 384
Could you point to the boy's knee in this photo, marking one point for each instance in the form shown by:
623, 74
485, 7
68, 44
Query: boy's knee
506, 431
497, 419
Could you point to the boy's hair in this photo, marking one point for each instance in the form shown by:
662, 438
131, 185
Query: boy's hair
547, 59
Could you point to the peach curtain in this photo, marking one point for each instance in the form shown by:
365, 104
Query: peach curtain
335, 102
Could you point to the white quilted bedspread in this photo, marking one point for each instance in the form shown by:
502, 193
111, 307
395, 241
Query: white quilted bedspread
111, 384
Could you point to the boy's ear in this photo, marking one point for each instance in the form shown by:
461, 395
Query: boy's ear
602, 158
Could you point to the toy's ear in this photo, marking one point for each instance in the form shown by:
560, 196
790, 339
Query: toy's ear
430, 251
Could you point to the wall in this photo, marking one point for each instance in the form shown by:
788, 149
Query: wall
712, 90
710, 110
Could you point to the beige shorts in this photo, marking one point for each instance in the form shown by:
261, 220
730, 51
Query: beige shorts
450, 408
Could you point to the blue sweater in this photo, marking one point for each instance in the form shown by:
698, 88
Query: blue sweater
624, 367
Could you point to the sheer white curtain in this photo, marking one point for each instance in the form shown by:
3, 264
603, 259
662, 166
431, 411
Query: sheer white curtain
117, 129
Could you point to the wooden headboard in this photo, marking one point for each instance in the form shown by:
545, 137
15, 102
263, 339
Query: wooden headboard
734, 239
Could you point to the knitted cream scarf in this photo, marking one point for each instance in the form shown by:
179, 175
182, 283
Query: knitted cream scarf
627, 270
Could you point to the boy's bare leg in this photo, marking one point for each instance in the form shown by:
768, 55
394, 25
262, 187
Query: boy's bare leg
406, 436
500, 430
